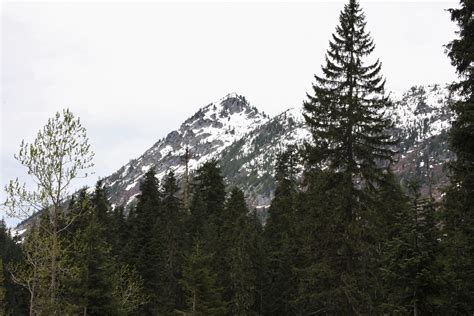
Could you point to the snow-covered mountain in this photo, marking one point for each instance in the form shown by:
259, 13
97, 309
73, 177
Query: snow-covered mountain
247, 141
207, 133
423, 118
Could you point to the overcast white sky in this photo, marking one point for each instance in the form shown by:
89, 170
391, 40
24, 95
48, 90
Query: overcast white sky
134, 71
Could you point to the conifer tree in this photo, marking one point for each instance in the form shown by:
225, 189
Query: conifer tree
458, 221
98, 287
143, 252
346, 113
120, 232
3, 291
203, 295
14, 296
102, 209
393, 210
257, 253
319, 264
207, 201
90, 289
128, 290
73, 240
203, 236
236, 273
410, 269
170, 243
351, 138
279, 237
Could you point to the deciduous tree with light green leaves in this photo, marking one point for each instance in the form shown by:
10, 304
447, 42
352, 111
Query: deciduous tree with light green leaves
60, 153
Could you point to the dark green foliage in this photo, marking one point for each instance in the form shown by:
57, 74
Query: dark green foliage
351, 138
325, 278
203, 227
264, 142
461, 49
97, 268
225, 240
102, 210
279, 238
3, 290
13, 298
341, 236
458, 241
170, 244
410, 269
203, 296
350, 132
207, 201
237, 274
119, 233
257, 255
90, 288
143, 250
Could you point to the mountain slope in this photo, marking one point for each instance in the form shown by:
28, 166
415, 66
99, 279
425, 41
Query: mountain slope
247, 142
423, 119
210, 130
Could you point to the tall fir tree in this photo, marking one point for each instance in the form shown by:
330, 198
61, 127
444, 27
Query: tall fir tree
170, 245
98, 266
322, 280
207, 203
72, 239
346, 115
90, 290
143, 253
14, 296
203, 229
103, 210
257, 253
393, 208
458, 222
411, 271
351, 137
237, 276
203, 296
279, 238
3, 290
120, 232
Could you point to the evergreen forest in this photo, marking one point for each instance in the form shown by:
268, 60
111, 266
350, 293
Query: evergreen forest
342, 235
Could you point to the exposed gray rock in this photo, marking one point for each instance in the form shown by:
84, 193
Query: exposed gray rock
247, 143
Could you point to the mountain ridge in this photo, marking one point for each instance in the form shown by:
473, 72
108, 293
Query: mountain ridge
246, 141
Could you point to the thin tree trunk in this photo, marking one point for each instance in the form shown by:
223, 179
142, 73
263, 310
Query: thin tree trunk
186, 180
54, 252
32, 300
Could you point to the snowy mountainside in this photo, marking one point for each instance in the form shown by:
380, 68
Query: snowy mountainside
210, 130
247, 142
423, 118
249, 163
422, 112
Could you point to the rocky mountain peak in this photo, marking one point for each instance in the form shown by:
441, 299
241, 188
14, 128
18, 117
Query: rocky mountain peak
247, 142
233, 103
206, 133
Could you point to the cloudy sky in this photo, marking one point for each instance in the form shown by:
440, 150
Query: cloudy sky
133, 72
